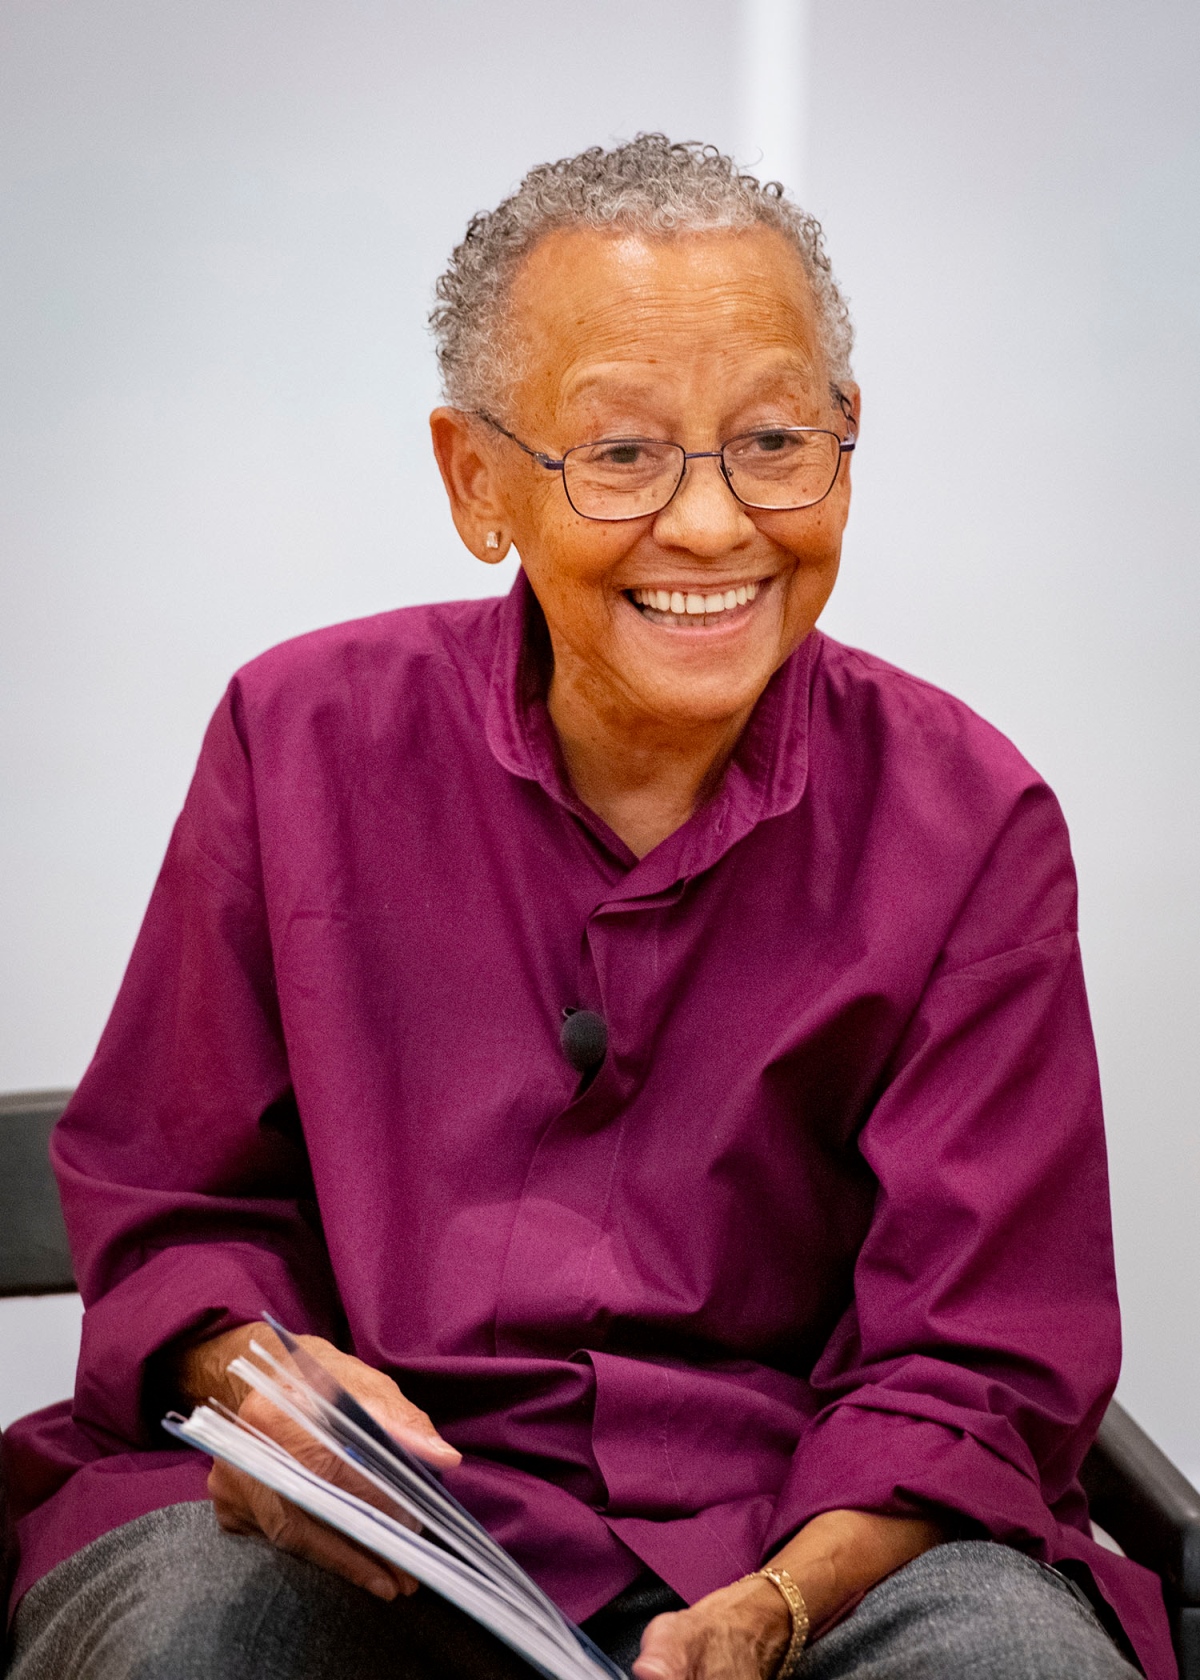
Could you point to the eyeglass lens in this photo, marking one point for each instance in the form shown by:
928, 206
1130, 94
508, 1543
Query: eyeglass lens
623, 478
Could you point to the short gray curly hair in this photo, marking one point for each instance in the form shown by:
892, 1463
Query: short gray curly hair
650, 184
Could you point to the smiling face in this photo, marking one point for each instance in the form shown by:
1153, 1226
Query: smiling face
675, 619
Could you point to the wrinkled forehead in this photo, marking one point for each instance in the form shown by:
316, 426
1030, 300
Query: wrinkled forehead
596, 308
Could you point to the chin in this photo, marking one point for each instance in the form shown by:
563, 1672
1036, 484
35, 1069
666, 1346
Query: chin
693, 701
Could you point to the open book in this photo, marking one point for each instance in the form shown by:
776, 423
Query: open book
452, 1553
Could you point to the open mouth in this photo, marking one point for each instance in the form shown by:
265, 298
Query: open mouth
691, 610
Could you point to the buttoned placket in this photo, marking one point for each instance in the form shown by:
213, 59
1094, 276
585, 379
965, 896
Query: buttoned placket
553, 1270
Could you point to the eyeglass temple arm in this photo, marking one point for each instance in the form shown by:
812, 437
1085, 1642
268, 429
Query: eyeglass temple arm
542, 459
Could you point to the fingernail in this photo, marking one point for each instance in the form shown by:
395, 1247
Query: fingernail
383, 1586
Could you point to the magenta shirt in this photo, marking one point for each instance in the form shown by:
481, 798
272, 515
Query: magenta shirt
830, 1226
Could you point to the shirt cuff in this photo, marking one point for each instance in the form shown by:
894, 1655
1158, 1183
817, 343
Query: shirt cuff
173, 1294
861, 1458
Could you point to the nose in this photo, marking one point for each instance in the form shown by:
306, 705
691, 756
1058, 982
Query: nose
704, 516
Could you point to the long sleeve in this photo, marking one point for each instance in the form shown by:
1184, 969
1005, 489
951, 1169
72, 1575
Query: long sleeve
181, 1163
981, 1345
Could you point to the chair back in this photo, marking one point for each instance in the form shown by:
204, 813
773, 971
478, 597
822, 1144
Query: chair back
34, 1256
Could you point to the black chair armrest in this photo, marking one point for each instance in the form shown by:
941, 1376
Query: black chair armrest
1152, 1511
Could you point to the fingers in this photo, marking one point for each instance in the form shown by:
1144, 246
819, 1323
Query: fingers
244, 1506
294, 1438
386, 1403
664, 1654
411, 1426
722, 1637
294, 1531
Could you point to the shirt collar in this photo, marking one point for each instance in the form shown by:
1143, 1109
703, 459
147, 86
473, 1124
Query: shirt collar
765, 778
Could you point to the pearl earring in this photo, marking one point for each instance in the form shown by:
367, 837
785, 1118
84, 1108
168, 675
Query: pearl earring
493, 540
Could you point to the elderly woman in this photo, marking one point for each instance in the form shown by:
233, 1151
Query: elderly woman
639, 1041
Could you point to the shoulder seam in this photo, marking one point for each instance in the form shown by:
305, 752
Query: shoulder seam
1048, 940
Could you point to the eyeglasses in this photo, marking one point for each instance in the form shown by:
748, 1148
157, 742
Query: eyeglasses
780, 468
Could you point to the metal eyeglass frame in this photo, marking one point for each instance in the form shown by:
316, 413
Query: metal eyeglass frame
845, 447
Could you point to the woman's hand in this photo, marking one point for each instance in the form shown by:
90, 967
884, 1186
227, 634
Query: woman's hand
244, 1506
742, 1632
738, 1633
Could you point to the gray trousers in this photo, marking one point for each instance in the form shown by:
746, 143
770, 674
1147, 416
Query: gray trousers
172, 1597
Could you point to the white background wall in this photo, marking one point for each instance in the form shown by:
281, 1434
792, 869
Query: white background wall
222, 221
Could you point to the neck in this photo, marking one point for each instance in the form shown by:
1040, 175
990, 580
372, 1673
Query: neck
642, 775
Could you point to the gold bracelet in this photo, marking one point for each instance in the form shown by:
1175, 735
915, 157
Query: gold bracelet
797, 1610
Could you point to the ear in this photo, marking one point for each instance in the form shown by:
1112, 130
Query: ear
849, 399
468, 471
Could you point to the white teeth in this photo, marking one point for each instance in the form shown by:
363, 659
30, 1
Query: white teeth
693, 604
